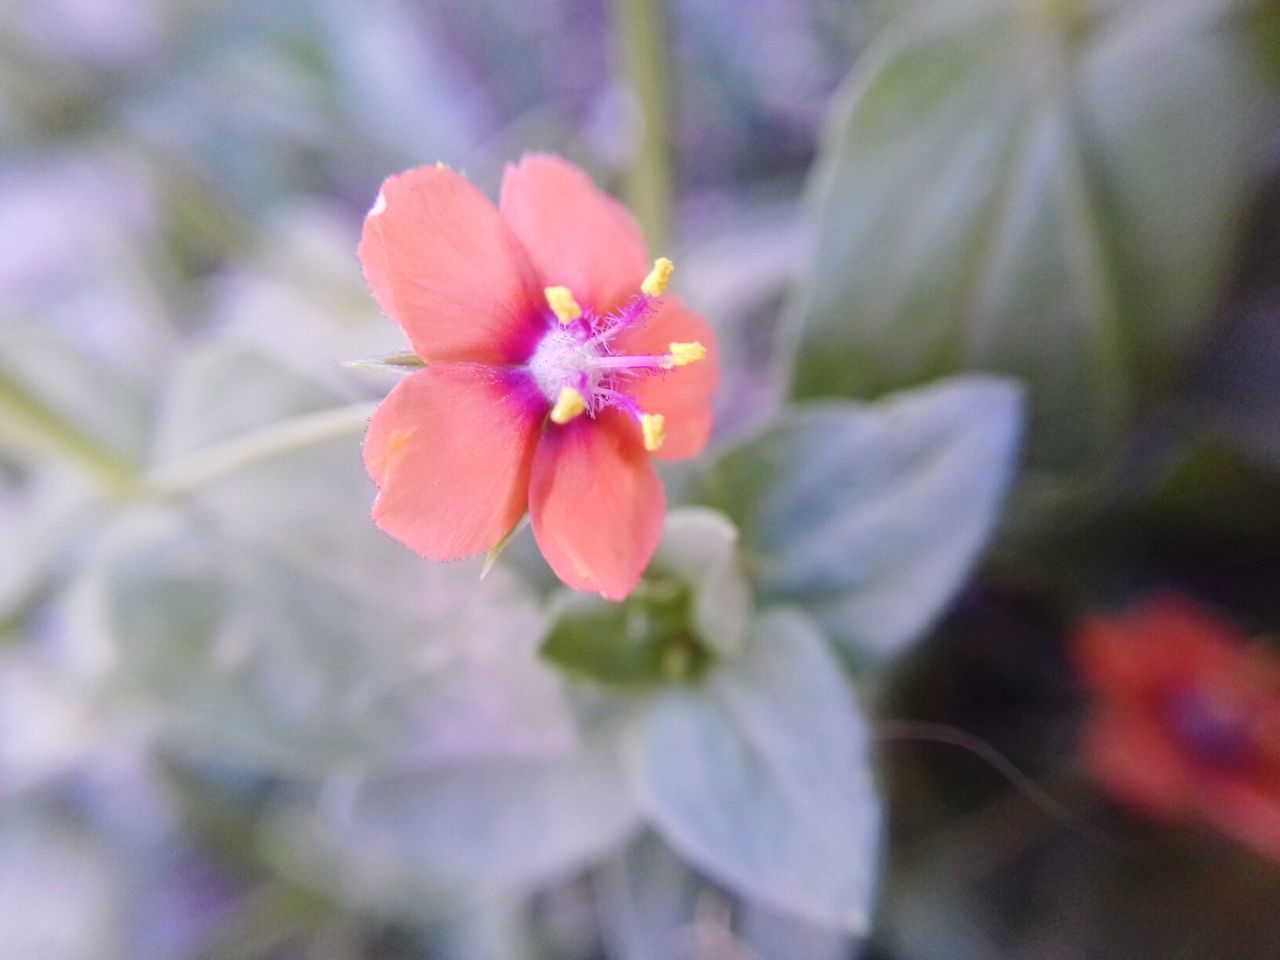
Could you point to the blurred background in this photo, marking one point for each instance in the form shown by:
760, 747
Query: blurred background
202, 648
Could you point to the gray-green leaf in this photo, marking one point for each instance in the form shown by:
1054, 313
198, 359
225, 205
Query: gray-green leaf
762, 779
243, 654
1041, 189
870, 517
401, 842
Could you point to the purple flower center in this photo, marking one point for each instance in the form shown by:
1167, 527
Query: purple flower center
1211, 728
581, 355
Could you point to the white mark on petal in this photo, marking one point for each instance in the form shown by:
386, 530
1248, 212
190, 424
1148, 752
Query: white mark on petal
379, 205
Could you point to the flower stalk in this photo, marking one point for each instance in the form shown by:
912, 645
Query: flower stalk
31, 427
189, 474
641, 35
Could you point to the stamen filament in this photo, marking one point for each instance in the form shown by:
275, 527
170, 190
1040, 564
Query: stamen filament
619, 401
628, 362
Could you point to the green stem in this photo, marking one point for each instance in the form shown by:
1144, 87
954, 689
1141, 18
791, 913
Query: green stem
31, 426
224, 459
641, 32
274, 918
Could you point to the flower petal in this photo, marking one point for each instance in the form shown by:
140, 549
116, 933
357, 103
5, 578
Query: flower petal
444, 265
1247, 811
682, 395
450, 450
1135, 761
597, 504
577, 235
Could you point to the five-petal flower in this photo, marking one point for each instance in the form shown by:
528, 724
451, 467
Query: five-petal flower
1186, 718
555, 368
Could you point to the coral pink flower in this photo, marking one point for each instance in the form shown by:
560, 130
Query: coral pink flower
555, 369
1186, 719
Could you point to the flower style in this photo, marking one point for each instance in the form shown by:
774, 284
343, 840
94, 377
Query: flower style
1186, 719
555, 369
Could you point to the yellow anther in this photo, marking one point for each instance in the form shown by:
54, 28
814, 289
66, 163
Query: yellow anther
654, 428
655, 284
569, 404
686, 353
562, 304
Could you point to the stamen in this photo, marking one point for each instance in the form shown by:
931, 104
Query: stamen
683, 354
655, 284
653, 426
614, 398
569, 404
627, 361
579, 369
562, 304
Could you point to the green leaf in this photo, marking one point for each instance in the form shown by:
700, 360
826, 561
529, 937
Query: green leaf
241, 654
309, 503
652, 904
647, 898
691, 605
405, 842
1044, 189
48, 722
40, 520
60, 891
776, 936
225, 390
761, 779
87, 394
644, 640
57, 402
870, 517
700, 548
497, 928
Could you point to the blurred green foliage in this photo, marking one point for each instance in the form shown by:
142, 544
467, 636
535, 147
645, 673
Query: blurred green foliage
1051, 190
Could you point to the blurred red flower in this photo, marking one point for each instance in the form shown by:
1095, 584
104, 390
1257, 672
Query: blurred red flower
1185, 724
555, 367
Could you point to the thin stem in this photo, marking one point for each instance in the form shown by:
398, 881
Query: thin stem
1030, 791
1001, 831
30, 425
273, 918
234, 455
641, 32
